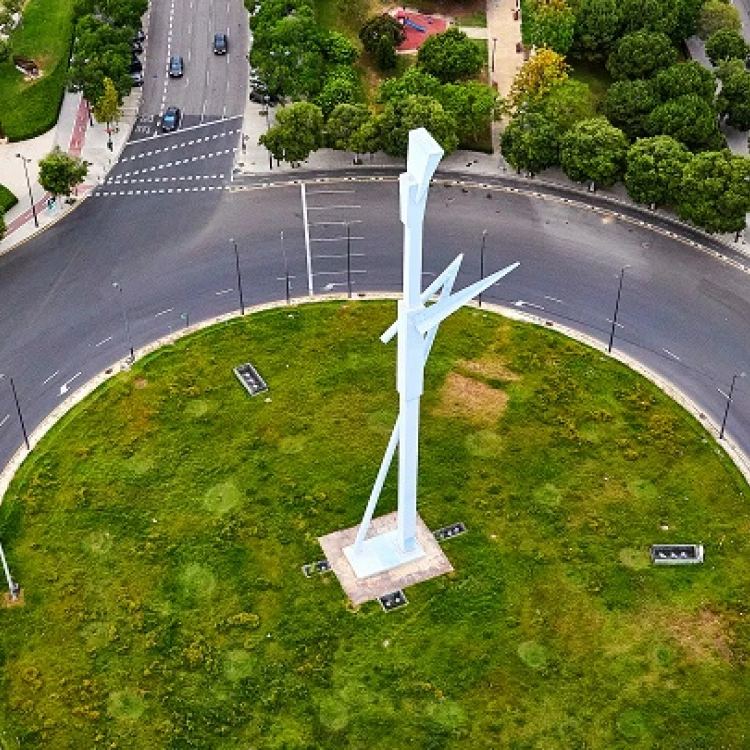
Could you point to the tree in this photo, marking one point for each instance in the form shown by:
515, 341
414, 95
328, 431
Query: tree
640, 55
726, 44
6, 50
343, 124
537, 76
341, 87
2, 225
531, 142
472, 104
297, 133
450, 56
594, 151
715, 191
107, 108
566, 103
551, 24
338, 49
401, 116
385, 54
413, 81
597, 27
627, 104
59, 172
734, 99
716, 15
654, 170
659, 16
686, 78
689, 119
381, 26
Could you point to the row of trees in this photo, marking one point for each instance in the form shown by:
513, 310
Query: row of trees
590, 29
102, 49
450, 111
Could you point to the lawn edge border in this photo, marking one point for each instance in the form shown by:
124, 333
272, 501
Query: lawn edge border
735, 453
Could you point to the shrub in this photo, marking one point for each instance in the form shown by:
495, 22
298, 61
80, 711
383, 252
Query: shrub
640, 55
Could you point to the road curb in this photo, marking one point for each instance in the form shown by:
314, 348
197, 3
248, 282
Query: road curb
736, 455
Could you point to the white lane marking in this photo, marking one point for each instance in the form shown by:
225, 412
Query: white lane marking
308, 254
674, 356
723, 394
618, 325
54, 374
339, 257
334, 239
553, 299
182, 131
330, 208
333, 223
329, 192
223, 291
5, 419
164, 312
523, 303
104, 341
65, 386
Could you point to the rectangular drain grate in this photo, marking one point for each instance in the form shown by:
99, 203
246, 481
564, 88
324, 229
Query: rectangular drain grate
321, 566
389, 602
252, 382
676, 554
448, 532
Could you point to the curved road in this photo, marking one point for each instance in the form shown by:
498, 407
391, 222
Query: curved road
683, 312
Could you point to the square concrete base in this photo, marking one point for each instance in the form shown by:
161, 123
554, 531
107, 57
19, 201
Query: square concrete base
380, 553
430, 564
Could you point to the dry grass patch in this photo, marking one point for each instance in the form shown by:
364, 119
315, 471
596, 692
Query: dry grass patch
703, 636
471, 399
489, 368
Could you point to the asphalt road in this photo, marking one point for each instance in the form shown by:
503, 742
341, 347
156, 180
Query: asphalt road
213, 86
682, 312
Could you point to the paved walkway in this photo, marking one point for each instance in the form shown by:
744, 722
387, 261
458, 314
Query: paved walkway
73, 133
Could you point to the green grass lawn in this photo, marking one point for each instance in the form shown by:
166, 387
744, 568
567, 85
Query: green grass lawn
28, 109
159, 529
593, 74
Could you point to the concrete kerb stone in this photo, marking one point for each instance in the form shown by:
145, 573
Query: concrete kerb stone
735, 453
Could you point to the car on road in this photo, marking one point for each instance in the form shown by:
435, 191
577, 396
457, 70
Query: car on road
176, 67
220, 44
139, 36
136, 47
136, 79
135, 65
170, 120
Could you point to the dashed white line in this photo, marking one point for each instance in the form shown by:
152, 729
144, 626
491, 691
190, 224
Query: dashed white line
224, 291
5, 419
164, 312
54, 374
553, 299
674, 356
104, 341
335, 239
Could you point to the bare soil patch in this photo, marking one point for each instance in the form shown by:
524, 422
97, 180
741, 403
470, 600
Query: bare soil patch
471, 399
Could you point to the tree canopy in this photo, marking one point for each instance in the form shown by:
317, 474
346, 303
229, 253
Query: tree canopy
726, 44
531, 142
402, 115
734, 98
715, 191
686, 78
594, 151
537, 76
381, 26
690, 119
450, 56
640, 55
297, 133
549, 23
716, 15
107, 107
654, 170
59, 172
597, 27
627, 103
343, 125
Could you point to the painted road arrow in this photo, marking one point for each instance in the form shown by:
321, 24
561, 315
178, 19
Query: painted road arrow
64, 386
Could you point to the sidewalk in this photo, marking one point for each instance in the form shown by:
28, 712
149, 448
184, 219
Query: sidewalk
74, 134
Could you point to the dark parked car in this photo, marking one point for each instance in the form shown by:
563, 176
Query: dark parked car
220, 44
259, 93
139, 36
135, 65
136, 47
137, 79
170, 120
176, 67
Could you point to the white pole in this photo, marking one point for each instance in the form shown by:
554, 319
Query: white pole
11, 586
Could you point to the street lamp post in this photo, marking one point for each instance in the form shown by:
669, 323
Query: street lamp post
729, 402
186, 318
349, 260
18, 410
494, 45
267, 100
287, 285
617, 309
127, 322
239, 276
28, 185
481, 263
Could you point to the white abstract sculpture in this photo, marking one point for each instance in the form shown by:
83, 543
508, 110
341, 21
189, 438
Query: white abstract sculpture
416, 328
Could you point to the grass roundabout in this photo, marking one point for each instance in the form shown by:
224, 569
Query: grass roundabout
159, 529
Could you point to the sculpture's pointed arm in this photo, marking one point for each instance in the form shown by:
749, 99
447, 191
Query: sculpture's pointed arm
434, 315
445, 280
